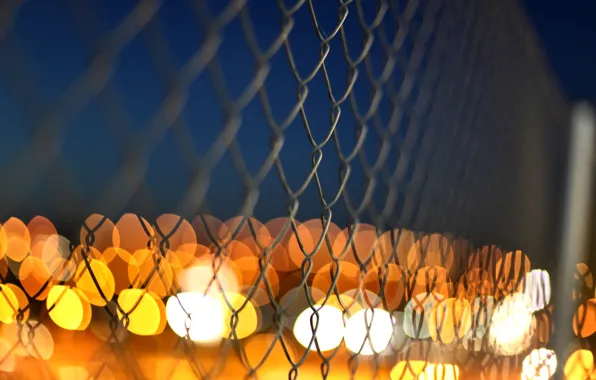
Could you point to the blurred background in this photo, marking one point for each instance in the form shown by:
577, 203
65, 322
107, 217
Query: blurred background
450, 119
485, 165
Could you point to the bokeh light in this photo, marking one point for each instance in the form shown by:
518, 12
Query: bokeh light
95, 280
237, 310
514, 310
536, 287
142, 312
68, 308
439, 372
368, 331
579, 365
327, 328
539, 364
197, 316
408, 370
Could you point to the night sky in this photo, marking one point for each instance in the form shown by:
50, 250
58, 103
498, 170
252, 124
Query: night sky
568, 31
50, 47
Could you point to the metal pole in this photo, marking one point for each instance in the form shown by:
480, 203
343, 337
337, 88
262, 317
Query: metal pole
575, 222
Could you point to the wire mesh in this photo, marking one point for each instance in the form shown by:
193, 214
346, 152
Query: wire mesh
405, 157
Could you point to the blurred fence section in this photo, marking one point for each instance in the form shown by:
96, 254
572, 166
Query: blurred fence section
246, 161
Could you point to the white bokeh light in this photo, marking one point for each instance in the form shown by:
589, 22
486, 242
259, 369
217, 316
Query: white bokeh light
378, 324
512, 325
540, 364
536, 286
206, 321
329, 329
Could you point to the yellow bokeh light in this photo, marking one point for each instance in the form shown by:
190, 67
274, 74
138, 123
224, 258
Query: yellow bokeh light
439, 372
512, 325
73, 373
9, 304
408, 370
368, 331
22, 300
579, 365
539, 364
68, 308
329, 329
95, 292
197, 316
449, 320
145, 310
247, 317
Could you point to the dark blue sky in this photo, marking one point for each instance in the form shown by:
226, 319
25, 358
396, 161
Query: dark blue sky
48, 50
568, 33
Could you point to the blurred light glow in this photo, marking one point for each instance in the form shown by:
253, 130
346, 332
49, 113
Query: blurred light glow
210, 276
391, 279
247, 322
449, 320
408, 370
67, 308
329, 329
536, 286
73, 373
36, 339
539, 364
439, 372
182, 239
250, 271
8, 304
584, 320
368, 331
399, 241
8, 361
154, 273
22, 300
132, 232
295, 301
512, 325
579, 365
95, 292
16, 240
103, 230
121, 264
195, 315
33, 276
146, 313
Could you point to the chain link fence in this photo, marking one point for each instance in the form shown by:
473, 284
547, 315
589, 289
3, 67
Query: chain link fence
261, 173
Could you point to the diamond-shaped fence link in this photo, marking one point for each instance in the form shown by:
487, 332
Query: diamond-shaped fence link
279, 189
